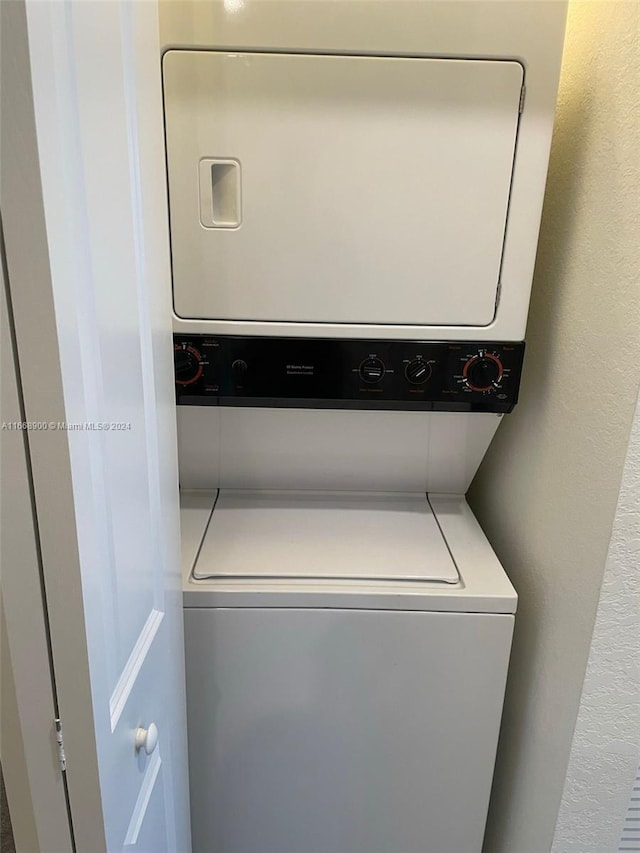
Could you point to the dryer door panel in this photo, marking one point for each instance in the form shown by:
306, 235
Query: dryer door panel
338, 189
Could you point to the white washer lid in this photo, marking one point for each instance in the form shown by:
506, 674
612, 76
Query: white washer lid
324, 535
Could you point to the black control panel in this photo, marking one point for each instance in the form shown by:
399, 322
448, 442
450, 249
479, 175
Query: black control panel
445, 376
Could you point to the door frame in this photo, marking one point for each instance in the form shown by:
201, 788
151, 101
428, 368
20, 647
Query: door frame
35, 783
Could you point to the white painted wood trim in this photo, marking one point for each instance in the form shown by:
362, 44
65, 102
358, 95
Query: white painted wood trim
34, 783
14, 765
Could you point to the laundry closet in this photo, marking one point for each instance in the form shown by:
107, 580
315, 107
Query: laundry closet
354, 200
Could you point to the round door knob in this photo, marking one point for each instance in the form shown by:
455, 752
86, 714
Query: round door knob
372, 370
187, 365
483, 372
147, 739
417, 371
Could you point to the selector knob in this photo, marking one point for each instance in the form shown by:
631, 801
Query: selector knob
417, 371
483, 372
187, 365
371, 370
239, 368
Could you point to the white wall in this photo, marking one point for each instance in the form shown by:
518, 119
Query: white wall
604, 755
546, 493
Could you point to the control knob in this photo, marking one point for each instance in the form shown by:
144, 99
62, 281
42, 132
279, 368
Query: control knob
187, 365
483, 372
371, 370
239, 368
417, 371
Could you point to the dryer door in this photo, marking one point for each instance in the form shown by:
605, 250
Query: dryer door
338, 189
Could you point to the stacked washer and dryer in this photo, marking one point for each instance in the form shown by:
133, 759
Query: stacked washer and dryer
355, 192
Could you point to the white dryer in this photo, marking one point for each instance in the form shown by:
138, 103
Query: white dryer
354, 193
346, 662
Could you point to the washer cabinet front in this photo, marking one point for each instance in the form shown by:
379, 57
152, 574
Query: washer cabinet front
342, 731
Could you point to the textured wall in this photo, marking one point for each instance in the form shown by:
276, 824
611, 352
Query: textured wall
547, 490
604, 755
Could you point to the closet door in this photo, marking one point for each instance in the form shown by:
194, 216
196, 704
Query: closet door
85, 221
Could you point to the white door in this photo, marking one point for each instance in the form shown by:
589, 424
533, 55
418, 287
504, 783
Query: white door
86, 232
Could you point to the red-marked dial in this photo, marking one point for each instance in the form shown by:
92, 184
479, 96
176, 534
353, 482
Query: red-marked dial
188, 366
483, 372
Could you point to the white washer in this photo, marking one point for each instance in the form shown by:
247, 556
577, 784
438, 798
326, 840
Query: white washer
346, 663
